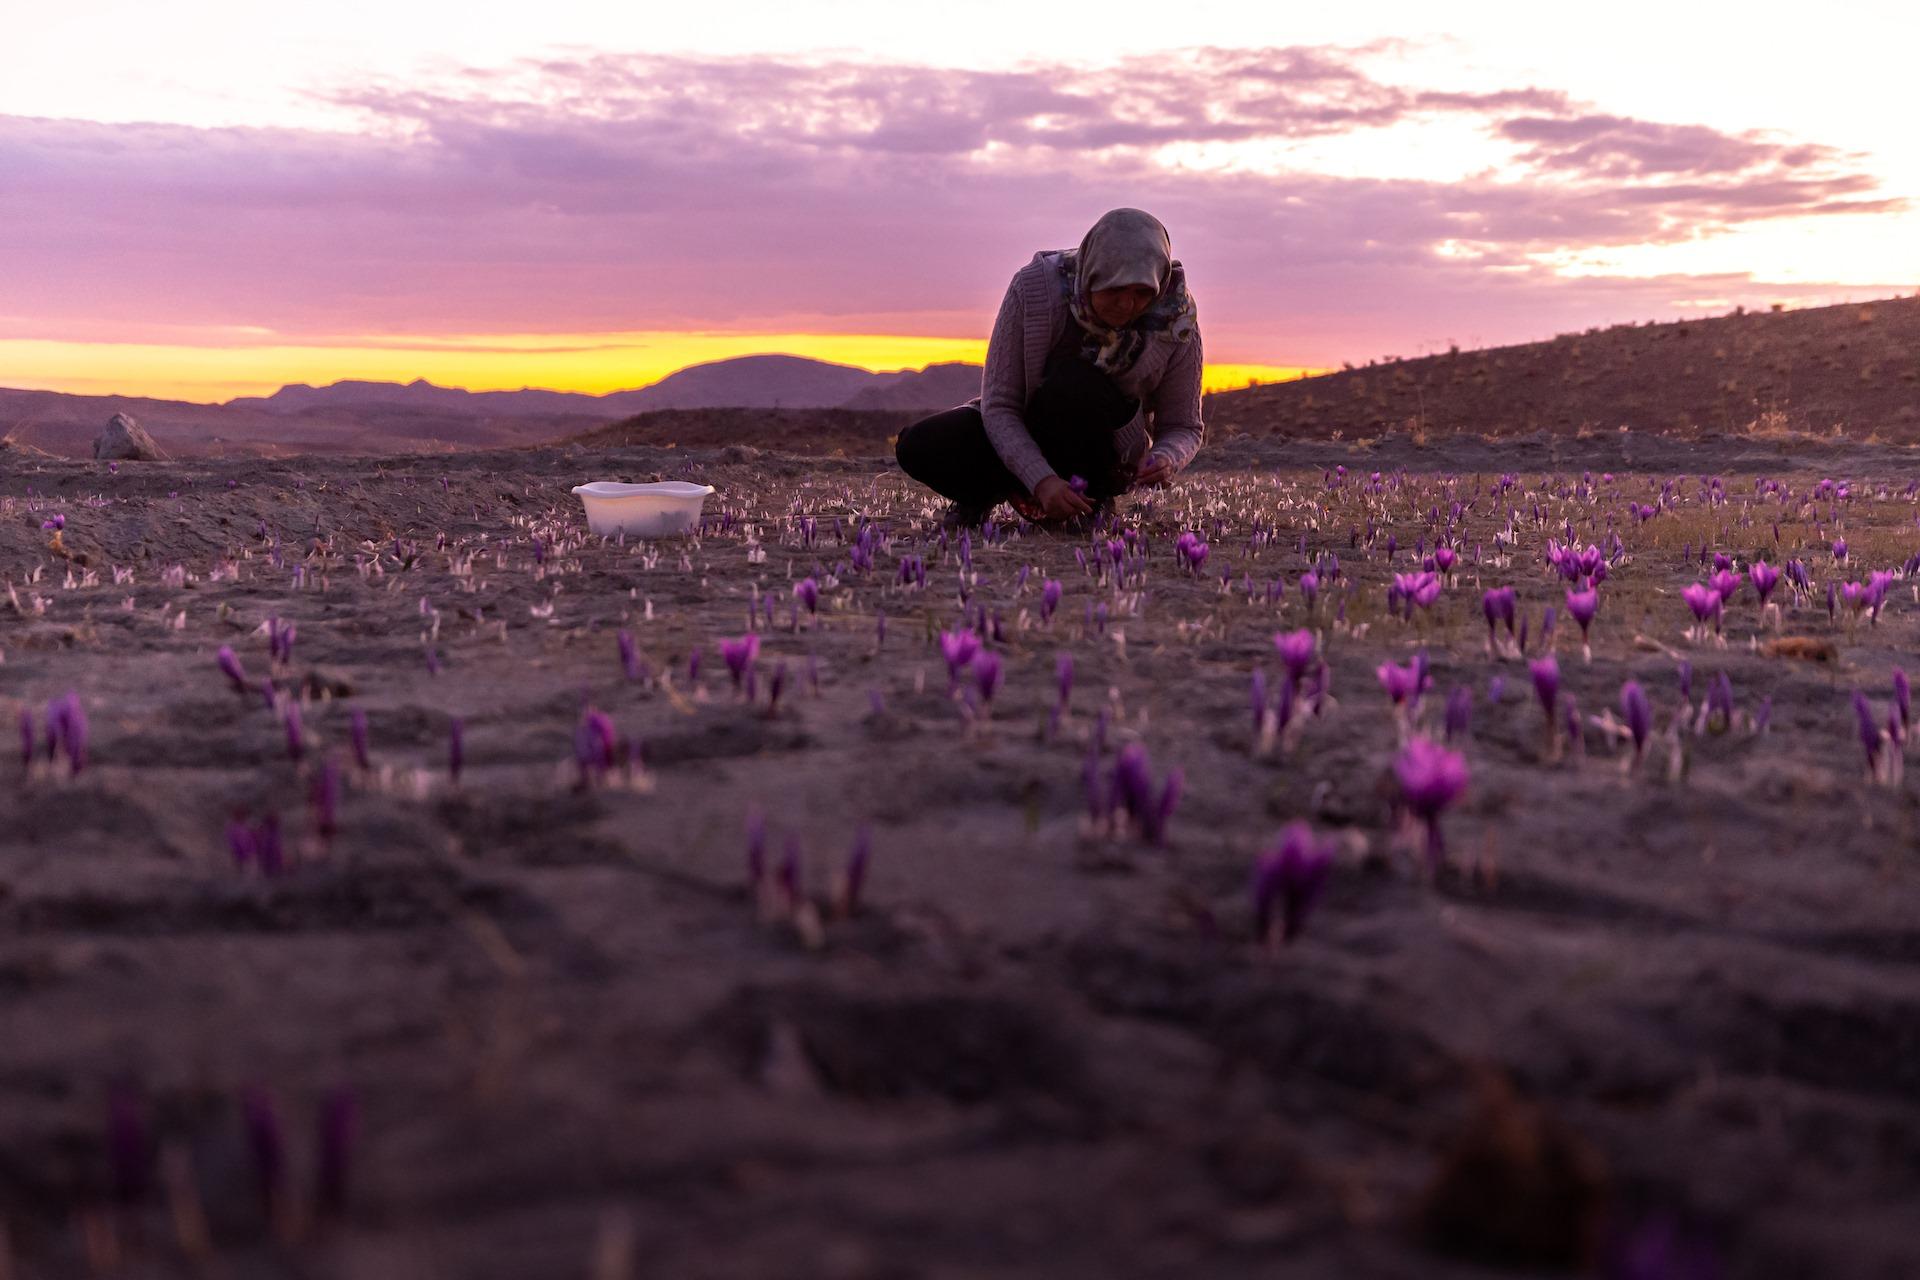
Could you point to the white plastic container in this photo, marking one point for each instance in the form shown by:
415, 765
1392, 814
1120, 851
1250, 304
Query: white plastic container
643, 510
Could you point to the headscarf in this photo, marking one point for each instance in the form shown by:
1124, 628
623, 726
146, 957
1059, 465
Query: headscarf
1126, 247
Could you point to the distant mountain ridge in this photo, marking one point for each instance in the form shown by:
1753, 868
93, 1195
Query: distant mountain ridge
745, 382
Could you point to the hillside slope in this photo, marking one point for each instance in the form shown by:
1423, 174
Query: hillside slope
1855, 367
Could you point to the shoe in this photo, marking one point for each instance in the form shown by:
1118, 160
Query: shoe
960, 515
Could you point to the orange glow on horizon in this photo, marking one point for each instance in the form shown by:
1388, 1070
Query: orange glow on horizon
592, 364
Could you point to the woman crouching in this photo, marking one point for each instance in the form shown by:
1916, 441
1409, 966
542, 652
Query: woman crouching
1092, 383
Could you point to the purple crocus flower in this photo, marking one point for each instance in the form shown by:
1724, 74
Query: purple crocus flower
67, 730
1296, 651
1726, 584
54, 523
1546, 682
1581, 607
958, 648
1133, 779
596, 746
1764, 578
1293, 875
1049, 599
1902, 699
807, 592
1402, 684
1638, 714
1840, 550
1431, 779
1077, 483
1310, 587
230, 664
1869, 730
1705, 602
739, 655
296, 733
986, 675
1498, 606
1257, 698
1153, 823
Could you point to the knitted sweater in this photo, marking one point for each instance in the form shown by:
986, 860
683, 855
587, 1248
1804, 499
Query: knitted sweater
1165, 379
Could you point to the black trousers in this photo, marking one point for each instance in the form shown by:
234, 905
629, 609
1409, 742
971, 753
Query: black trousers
1074, 415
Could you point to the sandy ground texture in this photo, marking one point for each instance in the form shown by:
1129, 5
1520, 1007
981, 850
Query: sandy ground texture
553, 1016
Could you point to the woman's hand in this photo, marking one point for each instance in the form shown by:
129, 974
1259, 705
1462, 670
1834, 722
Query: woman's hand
1057, 500
1151, 472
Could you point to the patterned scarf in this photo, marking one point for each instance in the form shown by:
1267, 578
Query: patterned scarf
1125, 247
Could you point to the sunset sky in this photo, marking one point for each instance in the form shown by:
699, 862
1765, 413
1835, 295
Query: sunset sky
210, 198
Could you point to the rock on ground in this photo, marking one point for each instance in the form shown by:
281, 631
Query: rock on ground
123, 437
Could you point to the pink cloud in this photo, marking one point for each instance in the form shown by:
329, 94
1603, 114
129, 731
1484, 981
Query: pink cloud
669, 192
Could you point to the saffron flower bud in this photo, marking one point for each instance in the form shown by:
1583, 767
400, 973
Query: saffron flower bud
1869, 730
1638, 715
1726, 584
1459, 718
986, 675
854, 878
1292, 875
629, 655
1431, 778
1546, 682
230, 664
296, 735
1049, 599
1764, 578
807, 592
